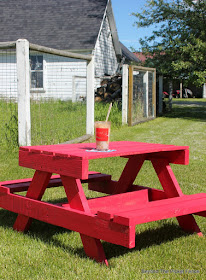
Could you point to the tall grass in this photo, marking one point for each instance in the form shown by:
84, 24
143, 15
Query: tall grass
54, 122
115, 117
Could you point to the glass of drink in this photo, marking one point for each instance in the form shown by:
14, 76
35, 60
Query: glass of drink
102, 132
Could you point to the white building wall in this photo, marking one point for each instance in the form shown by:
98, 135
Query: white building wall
64, 78
8, 75
104, 53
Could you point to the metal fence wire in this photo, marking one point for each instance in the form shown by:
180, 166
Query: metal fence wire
141, 95
58, 94
58, 98
8, 97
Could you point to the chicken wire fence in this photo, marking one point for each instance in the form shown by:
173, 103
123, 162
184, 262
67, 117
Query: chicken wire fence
8, 96
142, 94
58, 98
57, 90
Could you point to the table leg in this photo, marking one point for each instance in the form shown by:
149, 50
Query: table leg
129, 174
77, 200
36, 190
172, 189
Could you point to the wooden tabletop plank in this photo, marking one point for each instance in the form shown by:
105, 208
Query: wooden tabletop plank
118, 148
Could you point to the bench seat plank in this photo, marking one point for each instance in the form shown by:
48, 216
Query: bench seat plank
163, 209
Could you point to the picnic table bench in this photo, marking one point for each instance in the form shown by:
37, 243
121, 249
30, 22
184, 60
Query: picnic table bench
113, 217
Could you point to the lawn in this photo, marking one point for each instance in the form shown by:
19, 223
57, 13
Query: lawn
163, 250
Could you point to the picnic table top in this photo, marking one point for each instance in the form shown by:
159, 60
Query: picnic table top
88, 151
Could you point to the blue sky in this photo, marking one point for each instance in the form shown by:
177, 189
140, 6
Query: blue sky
129, 35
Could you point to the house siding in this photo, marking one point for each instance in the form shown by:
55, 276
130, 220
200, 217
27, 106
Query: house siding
64, 78
8, 75
104, 53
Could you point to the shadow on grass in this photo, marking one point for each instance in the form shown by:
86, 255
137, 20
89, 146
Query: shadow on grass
45, 232
190, 112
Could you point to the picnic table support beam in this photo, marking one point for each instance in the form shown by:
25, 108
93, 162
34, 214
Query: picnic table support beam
77, 200
172, 189
36, 190
129, 174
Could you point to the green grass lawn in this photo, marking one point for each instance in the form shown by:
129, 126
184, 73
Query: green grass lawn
163, 250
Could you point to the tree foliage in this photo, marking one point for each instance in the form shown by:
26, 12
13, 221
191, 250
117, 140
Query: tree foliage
178, 43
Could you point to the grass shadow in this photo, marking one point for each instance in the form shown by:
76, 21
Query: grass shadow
163, 234
46, 232
190, 112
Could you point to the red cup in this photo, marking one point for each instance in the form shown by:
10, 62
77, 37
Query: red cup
102, 132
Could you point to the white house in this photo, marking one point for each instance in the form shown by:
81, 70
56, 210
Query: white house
83, 26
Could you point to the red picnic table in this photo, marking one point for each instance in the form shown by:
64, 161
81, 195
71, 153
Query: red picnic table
111, 218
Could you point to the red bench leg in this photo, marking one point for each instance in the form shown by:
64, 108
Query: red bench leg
77, 200
172, 189
36, 190
189, 224
94, 249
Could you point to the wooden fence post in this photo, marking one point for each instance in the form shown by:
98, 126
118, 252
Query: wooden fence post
181, 89
90, 97
125, 73
204, 91
146, 92
130, 95
154, 101
170, 94
160, 94
23, 87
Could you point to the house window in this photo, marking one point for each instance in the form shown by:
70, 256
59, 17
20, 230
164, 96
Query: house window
36, 68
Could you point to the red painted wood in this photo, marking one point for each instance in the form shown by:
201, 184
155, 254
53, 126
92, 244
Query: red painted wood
21, 185
75, 194
172, 189
35, 191
93, 248
129, 174
189, 224
176, 157
117, 202
117, 215
163, 209
203, 214
77, 200
153, 194
167, 178
73, 167
106, 186
71, 219
122, 148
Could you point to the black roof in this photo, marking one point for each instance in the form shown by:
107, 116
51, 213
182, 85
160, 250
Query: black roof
61, 24
129, 56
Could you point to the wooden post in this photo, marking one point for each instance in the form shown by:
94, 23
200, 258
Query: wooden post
146, 92
181, 90
130, 95
90, 97
160, 94
23, 87
154, 102
204, 91
124, 93
170, 95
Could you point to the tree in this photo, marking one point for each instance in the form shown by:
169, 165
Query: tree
178, 44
